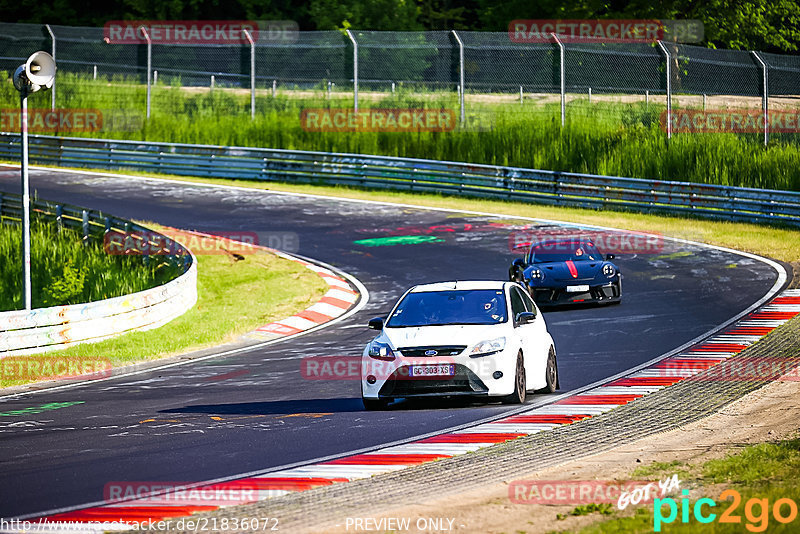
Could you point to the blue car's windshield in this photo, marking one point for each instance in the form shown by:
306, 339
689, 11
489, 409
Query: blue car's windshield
481, 306
564, 251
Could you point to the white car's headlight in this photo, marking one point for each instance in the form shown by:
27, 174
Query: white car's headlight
490, 346
380, 351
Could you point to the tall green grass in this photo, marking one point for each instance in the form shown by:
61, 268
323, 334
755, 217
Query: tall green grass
65, 271
599, 138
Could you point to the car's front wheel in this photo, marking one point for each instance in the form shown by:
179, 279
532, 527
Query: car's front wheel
550, 373
518, 397
372, 405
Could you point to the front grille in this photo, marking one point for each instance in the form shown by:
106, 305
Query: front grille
399, 384
419, 352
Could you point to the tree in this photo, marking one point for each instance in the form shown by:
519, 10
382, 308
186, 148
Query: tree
396, 15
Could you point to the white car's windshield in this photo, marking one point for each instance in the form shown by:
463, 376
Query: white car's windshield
478, 306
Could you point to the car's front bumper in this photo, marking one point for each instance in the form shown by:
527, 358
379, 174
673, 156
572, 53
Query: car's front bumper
491, 375
605, 293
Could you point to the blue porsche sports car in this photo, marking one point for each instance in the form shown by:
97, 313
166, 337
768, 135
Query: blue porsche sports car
567, 271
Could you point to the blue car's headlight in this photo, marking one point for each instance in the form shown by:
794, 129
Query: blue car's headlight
536, 275
490, 346
609, 270
380, 351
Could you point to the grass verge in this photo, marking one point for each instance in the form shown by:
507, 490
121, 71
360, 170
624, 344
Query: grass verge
761, 475
234, 297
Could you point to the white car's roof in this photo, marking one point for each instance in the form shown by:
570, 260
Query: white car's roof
460, 284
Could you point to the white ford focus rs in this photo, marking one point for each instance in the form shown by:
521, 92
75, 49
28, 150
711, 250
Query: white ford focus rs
477, 338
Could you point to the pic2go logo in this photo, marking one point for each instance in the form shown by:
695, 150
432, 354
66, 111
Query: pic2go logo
756, 511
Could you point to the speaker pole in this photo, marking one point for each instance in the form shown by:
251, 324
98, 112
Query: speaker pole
26, 202
37, 73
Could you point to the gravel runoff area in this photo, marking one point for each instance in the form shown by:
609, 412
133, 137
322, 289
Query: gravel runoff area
686, 402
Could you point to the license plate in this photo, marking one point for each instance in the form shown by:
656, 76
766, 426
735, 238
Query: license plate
577, 289
443, 369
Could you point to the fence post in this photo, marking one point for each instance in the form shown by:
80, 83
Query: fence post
764, 95
355, 69
561, 75
669, 88
252, 73
85, 226
53, 88
149, 63
460, 76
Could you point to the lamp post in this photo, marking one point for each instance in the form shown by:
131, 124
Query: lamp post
36, 73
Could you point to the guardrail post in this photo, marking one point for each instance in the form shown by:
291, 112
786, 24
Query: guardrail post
149, 63
59, 217
355, 69
252, 74
561, 76
669, 88
764, 95
85, 226
53, 53
460, 77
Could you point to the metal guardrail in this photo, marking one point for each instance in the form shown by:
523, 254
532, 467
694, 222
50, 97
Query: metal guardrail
31, 331
94, 225
407, 174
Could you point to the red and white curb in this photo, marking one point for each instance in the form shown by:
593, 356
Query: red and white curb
594, 401
336, 302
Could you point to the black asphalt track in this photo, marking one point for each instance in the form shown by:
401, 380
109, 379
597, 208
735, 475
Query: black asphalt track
182, 425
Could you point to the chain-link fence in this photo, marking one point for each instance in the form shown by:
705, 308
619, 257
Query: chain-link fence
494, 69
